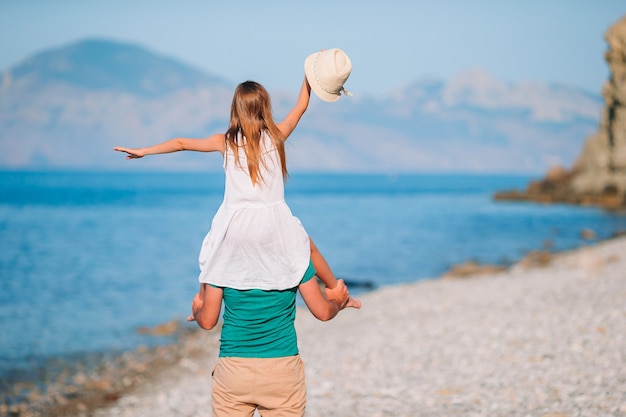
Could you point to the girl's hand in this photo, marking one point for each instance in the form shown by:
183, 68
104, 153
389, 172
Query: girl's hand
131, 153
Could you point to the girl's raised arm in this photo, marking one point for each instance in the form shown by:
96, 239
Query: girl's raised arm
291, 121
209, 144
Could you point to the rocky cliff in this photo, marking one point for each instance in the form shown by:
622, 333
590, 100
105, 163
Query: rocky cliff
598, 177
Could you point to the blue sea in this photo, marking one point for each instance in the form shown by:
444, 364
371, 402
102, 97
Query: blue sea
86, 258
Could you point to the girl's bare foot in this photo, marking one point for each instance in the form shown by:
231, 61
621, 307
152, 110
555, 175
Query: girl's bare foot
353, 303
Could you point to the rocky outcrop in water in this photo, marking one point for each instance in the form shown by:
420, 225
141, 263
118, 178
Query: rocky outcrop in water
598, 177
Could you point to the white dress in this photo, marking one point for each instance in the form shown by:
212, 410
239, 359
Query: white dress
254, 241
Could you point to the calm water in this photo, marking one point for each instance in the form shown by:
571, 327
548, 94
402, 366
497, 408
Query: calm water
86, 258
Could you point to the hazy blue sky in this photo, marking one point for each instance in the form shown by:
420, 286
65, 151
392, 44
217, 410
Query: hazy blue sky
391, 43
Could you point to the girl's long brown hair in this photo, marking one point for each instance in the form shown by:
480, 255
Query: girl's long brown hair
251, 115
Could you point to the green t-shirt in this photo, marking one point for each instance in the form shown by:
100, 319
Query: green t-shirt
260, 323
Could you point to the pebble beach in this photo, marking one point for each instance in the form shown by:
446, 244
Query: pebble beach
543, 340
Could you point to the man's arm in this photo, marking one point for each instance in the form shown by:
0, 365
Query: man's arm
317, 304
206, 306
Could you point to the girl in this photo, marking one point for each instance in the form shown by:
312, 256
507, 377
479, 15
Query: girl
255, 258
254, 242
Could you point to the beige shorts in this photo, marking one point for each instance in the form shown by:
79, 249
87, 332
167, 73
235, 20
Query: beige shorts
274, 386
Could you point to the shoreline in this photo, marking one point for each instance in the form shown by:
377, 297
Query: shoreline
143, 373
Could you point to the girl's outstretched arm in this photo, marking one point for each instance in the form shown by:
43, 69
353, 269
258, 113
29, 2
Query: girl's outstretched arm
210, 144
291, 121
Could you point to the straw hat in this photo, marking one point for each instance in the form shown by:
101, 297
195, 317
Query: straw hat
326, 72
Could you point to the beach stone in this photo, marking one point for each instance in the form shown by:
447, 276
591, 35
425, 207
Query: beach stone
164, 329
471, 268
528, 341
588, 234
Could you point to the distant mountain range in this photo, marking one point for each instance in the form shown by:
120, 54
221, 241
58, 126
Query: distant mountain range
66, 108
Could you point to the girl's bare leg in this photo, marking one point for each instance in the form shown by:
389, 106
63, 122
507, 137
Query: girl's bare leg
326, 275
